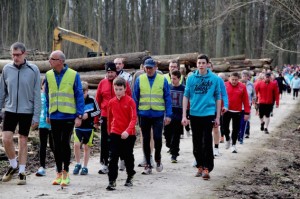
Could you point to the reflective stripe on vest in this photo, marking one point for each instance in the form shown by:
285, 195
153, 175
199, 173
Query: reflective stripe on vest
62, 98
152, 98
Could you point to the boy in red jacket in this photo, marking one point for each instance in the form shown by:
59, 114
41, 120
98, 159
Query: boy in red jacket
122, 117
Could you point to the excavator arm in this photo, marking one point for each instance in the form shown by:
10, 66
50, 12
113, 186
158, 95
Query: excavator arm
60, 34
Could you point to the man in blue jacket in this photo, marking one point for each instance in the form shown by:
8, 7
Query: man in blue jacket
65, 106
20, 92
153, 100
203, 91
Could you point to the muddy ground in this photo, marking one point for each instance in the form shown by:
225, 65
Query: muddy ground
275, 171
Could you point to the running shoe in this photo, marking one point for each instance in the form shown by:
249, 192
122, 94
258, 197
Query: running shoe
128, 182
159, 166
58, 179
22, 179
247, 136
84, 171
233, 149
216, 152
205, 174
9, 174
173, 159
103, 170
262, 126
65, 181
111, 186
147, 170
266, 131
41, 172
199, 172
77, 169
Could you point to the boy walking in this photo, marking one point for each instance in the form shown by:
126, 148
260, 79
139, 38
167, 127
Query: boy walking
84, 134
121, 120
174, 129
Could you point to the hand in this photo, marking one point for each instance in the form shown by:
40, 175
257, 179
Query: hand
48, 120
124, 135
77, 122
34, 125
246, 117
167, 121
223, 110
277, 105
217, 122
85, 116
185, 121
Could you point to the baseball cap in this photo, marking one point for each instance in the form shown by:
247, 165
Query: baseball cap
149, 63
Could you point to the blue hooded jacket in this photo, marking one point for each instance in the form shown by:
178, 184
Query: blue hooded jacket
203, 91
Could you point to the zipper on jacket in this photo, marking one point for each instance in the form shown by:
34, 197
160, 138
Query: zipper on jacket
18, 91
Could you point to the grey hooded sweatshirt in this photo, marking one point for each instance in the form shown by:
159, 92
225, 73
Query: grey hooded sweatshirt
20, 89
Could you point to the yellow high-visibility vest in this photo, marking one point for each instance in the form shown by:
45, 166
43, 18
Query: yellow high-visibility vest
152, 97
62, 98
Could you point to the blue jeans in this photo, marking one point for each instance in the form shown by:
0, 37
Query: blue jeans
244, 127
156, 124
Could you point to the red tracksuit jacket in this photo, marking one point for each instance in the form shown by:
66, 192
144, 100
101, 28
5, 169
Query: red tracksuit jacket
237, 96
267, 92
121, 115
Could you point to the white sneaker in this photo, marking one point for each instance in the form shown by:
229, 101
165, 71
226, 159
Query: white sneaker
159, 167
103, 169
122, 165
216, 152
147, 170
144, 162
233, 149
227, 144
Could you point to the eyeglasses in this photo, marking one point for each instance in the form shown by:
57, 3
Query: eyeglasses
53, 59
118, 63
17, 54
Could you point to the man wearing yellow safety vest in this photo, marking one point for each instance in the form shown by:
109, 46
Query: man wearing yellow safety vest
152, 96
173, 66
65, 107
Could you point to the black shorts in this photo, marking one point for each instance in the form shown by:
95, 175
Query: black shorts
265, 110
86, 137
11, 120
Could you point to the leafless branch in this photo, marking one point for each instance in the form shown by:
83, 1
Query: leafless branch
282, 49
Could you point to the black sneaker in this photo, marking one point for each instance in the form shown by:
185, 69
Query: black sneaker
266, 131
262, 126
173, 159
9, 174
247, 136
111, 186
128, 182
22, 179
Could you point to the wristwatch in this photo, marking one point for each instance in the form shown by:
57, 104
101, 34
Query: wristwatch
79, 116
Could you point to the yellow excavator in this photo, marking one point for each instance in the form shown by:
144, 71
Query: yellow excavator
60, 34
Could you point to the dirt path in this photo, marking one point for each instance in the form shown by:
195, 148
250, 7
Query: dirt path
176, 180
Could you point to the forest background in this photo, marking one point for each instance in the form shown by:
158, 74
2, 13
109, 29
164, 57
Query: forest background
256, 28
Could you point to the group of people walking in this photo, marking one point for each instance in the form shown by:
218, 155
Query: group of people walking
159, 104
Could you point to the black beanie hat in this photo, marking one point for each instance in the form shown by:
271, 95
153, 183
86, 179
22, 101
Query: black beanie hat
110, 66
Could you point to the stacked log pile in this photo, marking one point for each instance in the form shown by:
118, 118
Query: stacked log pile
92, 69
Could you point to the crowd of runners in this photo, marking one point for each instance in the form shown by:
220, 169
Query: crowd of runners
201, 103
